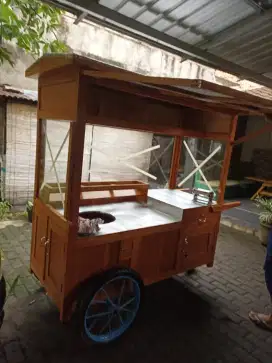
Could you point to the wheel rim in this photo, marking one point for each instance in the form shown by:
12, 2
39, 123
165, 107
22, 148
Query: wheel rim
112, 309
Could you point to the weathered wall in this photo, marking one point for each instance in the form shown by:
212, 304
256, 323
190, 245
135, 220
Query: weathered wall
263, 141
111, 47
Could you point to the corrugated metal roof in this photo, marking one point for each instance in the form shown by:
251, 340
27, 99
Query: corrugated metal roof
198, 22
191, 21
248, 44
231, 35
18, 94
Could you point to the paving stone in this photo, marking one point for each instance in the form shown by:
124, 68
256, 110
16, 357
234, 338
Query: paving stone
244, 356
202, 317
262, 356
20, 291
14, 353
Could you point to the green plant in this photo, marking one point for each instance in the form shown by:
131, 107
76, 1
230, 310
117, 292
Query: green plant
31, 25
29, 206
4, 209
265, 205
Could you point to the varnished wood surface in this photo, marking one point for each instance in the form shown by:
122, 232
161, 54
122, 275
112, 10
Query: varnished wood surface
155, 252
175, 163
108, 96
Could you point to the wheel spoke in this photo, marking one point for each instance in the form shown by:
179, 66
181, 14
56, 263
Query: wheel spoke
120, 318
113, 309
127, 310
98, 302
121, 292
127, 303
92, 324
98, 315
106, 325
107, 296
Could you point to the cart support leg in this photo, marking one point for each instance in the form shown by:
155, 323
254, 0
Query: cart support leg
226, 162
175, 162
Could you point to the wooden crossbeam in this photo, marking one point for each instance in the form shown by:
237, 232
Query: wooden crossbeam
252, 135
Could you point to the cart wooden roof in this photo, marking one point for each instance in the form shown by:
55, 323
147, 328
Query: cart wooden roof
192, 93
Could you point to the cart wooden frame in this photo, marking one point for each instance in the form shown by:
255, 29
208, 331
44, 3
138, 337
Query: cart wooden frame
84, 91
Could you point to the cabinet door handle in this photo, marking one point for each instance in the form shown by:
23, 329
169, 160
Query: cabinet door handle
202, 220
186, 240
46, 245
43, 240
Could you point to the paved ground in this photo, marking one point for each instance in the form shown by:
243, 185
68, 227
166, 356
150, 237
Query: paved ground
200, 318
244, 218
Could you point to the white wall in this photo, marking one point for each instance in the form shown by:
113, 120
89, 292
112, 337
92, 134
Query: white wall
115, 144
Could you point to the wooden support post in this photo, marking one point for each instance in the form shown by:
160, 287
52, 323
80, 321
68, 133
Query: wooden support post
75, 156
40, 156
226, 162
175, 162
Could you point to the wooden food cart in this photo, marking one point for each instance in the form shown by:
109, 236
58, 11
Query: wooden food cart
147, 235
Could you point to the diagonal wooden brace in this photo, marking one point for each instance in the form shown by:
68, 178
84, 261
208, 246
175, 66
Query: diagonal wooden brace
200, 166
196, 164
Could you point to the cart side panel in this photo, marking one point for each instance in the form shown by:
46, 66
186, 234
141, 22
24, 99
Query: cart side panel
119, 109
52, 106
55, 266
39, 236
58, 90
207, 122
122, 106
48, 249
154, 256
199, 232
83, 263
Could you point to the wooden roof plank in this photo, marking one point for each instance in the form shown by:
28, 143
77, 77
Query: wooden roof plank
162, 95
194, 92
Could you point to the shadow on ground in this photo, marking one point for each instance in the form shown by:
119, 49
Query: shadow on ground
174, 324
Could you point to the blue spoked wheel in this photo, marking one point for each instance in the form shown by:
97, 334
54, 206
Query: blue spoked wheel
112, 308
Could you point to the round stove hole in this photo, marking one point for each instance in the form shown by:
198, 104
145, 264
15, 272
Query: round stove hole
106, 217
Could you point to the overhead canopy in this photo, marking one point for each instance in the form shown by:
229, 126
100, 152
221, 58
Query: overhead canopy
194, 93
231, 35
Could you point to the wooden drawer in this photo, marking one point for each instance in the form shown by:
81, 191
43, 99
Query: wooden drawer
199, 220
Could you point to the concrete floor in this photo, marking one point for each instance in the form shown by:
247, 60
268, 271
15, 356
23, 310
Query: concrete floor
194, 318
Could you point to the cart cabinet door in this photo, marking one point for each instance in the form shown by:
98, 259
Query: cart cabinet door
154, 256
55, 257
196, 250
39, 238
